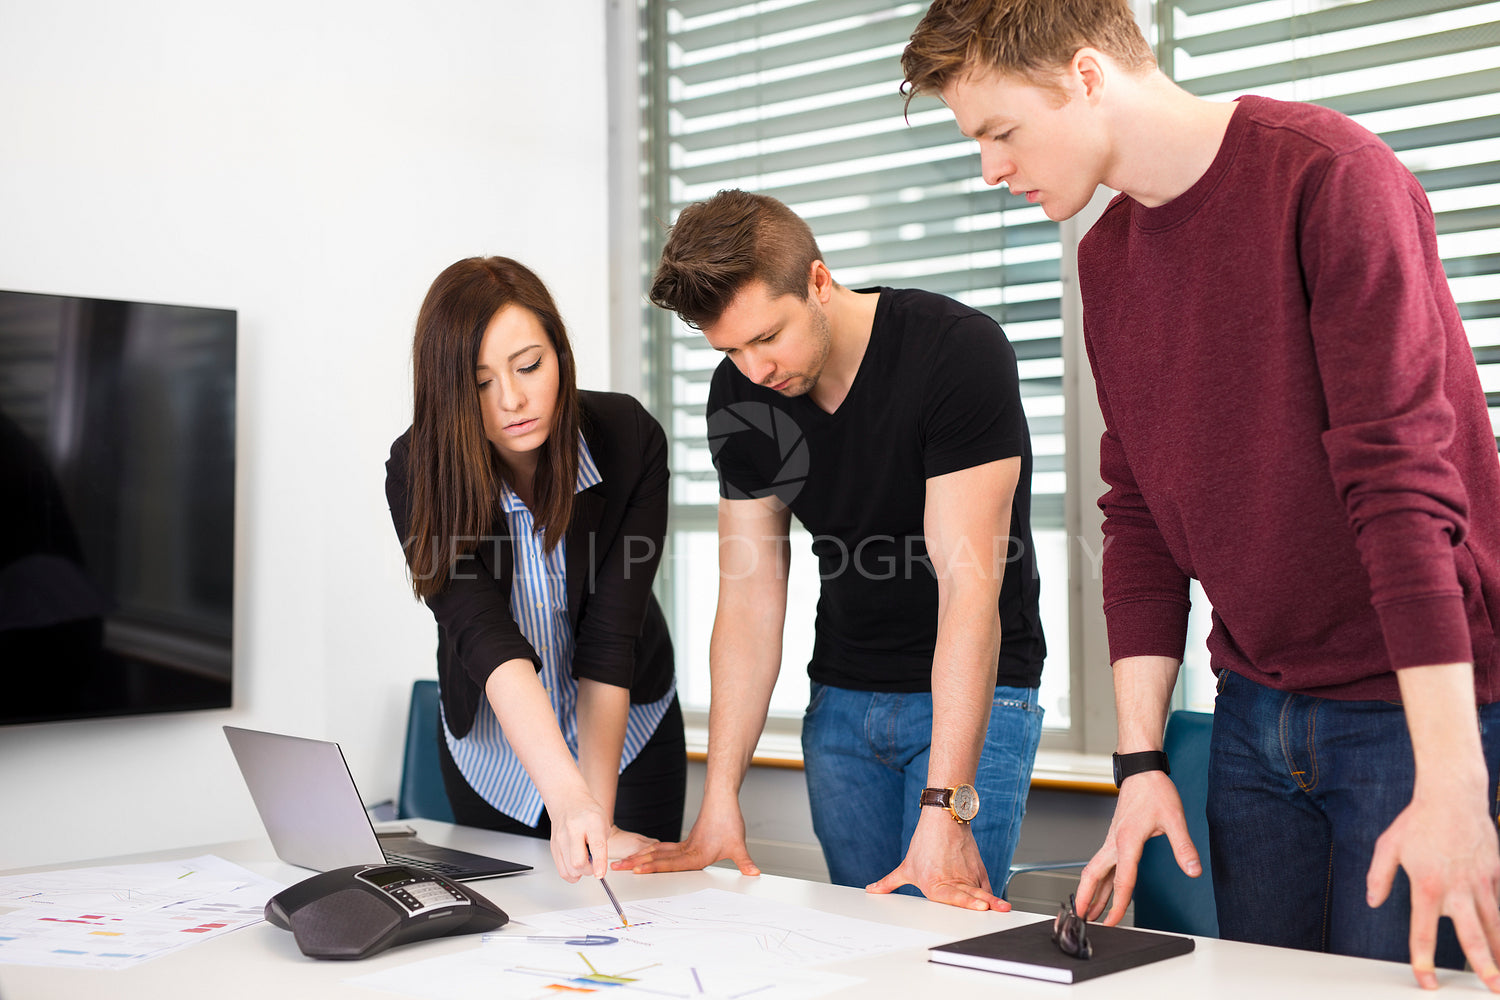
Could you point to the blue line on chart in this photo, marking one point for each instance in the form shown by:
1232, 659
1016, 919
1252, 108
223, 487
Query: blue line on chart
736, 996
696, 981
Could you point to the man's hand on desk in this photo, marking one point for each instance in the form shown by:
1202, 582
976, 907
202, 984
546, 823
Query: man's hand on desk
1148, 805
943, 861
1447, 844
718, 834
625, 843
1444, 838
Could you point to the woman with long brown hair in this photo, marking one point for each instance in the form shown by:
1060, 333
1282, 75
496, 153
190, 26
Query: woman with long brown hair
532, 516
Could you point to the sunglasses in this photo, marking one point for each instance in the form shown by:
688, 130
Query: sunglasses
1070, 931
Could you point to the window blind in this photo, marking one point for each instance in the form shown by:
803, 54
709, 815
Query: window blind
1422, 74
799, 99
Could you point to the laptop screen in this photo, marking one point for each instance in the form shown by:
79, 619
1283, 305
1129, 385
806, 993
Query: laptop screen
307, 799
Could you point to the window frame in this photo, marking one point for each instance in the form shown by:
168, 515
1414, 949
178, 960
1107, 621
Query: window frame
639, 354
1090, 689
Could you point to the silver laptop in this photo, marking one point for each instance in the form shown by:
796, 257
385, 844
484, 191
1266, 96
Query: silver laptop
315, 817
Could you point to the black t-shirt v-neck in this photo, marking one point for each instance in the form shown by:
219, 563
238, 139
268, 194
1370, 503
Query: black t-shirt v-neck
936, 392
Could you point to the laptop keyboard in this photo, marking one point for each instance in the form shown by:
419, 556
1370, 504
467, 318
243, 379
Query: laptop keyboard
425, 864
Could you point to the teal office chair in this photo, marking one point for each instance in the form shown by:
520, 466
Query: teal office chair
1021, 868
1165, 898
421, 795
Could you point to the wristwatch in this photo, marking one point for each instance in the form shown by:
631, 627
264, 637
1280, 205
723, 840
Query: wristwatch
1127, 764
961, 801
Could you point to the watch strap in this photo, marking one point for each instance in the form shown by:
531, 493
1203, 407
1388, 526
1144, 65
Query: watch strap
937, 797
1126, 764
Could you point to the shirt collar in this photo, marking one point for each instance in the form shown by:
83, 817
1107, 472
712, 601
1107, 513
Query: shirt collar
588, 475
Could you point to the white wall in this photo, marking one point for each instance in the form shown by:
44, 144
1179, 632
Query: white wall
312, 166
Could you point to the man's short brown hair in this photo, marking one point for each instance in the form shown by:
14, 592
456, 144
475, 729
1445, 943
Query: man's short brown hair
719, 246
1030, 39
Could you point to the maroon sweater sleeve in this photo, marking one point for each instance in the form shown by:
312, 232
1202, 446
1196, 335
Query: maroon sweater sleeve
1379, 312
1145, 591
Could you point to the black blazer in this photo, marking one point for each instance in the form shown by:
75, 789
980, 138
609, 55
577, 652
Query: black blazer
614, 544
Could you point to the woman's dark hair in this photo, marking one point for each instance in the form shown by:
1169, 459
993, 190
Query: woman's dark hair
454, 476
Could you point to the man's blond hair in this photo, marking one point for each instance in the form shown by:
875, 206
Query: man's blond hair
1030, 39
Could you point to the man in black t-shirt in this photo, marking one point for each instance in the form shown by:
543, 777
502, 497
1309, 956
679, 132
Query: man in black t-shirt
890, 423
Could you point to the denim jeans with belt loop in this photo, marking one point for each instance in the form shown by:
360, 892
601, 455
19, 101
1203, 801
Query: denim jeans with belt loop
1299, 790
865, 756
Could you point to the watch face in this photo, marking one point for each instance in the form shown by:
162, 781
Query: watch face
965, 802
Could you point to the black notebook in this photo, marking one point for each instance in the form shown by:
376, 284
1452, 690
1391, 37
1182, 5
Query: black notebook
1029, 951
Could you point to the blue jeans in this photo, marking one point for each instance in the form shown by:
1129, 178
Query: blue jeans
865, 755
1299, 790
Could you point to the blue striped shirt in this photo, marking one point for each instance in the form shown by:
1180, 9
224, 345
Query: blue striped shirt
539, 604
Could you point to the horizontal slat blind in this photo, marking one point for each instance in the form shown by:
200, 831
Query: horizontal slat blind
799, 99
29, 363
1423, 74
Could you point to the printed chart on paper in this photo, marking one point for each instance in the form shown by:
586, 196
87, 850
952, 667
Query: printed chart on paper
524, 971
709, 945
714, 924
116, 916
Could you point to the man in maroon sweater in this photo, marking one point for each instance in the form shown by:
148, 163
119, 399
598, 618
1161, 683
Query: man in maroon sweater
1294, 418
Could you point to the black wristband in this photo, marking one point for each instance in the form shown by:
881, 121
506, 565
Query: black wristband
1127, 764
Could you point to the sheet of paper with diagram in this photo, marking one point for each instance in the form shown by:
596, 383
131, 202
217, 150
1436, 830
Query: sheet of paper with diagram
705, 945
112, 917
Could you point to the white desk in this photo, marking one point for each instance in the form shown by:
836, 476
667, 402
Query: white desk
261, 962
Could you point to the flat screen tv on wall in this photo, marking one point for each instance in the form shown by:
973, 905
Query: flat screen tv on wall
117, 458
